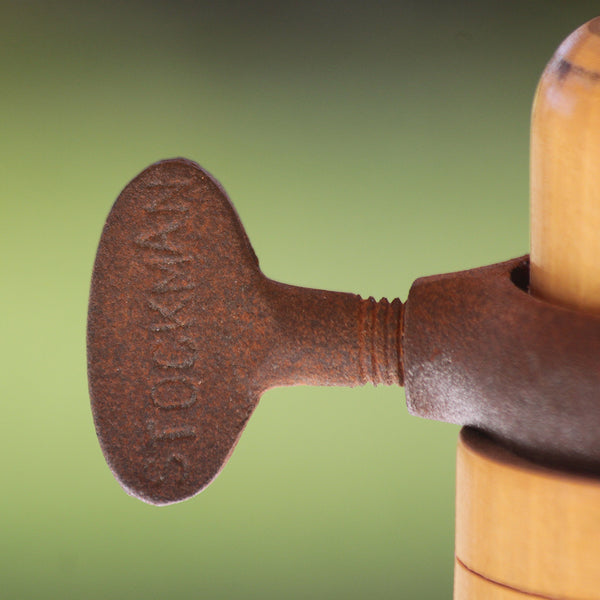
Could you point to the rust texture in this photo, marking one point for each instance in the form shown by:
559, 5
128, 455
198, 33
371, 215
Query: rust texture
185, 333
480, 351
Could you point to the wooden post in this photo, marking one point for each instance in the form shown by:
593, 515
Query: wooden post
522, 530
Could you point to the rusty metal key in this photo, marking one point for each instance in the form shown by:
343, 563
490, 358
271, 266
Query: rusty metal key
185, 333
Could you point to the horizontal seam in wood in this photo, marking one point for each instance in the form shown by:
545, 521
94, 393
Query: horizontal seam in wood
507, 587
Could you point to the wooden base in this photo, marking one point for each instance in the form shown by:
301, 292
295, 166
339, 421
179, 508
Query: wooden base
523, 530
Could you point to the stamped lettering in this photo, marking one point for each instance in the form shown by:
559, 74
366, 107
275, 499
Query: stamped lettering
173, 274
163, 239
171, 468
173, 393
177, 353
169, 310
168, 299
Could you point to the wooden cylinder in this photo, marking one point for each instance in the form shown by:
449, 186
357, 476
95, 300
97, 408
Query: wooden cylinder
523, 530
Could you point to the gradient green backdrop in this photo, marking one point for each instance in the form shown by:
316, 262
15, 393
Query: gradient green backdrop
364, 145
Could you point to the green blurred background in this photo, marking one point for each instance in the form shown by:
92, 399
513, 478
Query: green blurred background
364, 145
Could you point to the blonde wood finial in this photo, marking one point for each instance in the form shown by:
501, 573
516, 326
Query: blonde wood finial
565, 174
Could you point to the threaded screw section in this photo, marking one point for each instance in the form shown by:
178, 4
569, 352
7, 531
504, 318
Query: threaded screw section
380, 339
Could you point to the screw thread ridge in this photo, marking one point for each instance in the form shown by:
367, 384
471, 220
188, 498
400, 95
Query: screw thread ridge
380, 341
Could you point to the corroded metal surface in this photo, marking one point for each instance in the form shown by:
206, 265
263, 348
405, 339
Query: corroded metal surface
185, 333
480, 351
